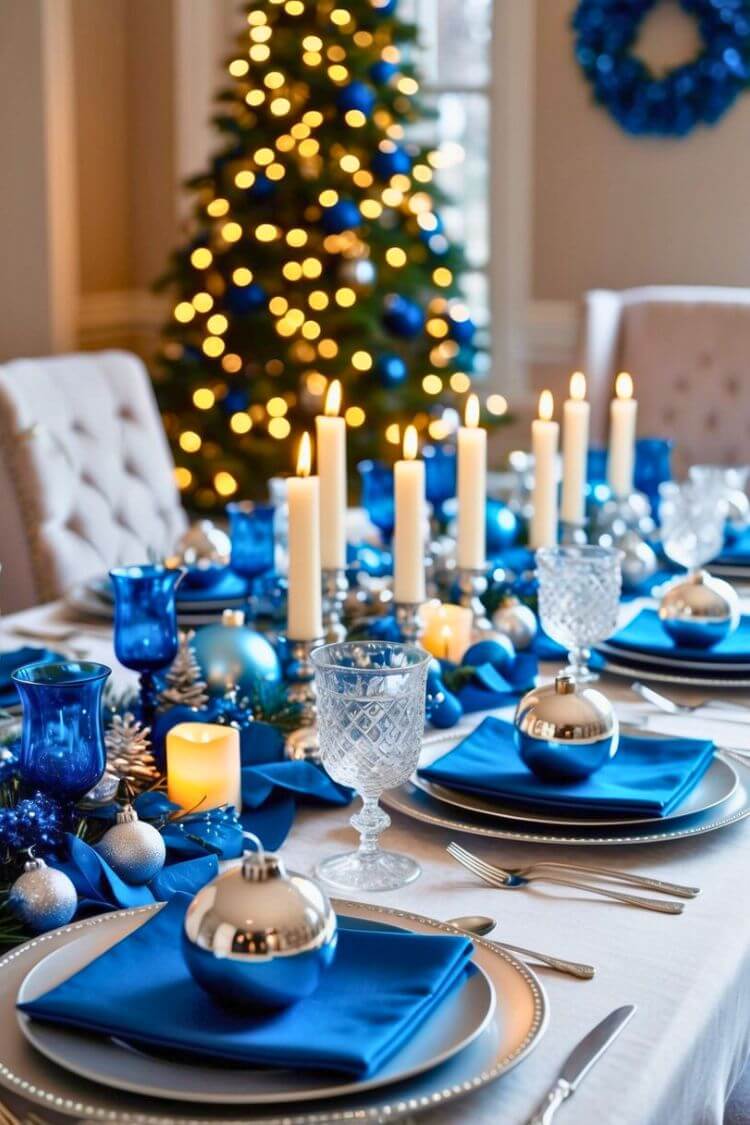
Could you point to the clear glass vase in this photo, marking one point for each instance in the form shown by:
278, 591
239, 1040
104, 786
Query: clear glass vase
579, 599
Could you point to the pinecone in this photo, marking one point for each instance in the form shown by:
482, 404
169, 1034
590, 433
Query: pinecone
184, 684
129, 755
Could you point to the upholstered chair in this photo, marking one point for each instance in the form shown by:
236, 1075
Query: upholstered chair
688, 349
85, 473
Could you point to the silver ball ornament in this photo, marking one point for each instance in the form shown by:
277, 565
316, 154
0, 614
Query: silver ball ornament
517, 622
639, 561
133, 849
205, 550
231, 654
360, 273
565, 732
43, 898
699, 611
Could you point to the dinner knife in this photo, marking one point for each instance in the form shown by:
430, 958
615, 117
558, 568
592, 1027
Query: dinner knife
580, 1060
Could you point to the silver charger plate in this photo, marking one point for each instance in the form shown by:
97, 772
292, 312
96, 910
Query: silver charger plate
618, 653
100, 588
515, 1028
717, 786
635, 671
417, 805
82, 602
460, 1019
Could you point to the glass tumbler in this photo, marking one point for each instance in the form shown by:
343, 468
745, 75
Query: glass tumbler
579, 599
371, 712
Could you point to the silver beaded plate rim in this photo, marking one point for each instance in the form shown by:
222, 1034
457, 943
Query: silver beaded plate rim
616, 669
391, 1111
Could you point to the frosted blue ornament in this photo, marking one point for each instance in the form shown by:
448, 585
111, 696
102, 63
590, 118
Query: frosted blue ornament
43, 898
232, 655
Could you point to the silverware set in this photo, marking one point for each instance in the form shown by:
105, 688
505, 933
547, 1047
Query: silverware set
555, 873
480, 925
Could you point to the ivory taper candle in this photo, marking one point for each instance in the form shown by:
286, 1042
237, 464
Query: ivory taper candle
203, 766
304, 621
544, 439
623, 413
472, 489
331, 441
576, 412
408, 533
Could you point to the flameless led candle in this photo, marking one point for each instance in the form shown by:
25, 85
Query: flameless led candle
331, 437
304, 622
472, 489
203, 766
576, 412
408, 534
544, 439
623, 413
446, 630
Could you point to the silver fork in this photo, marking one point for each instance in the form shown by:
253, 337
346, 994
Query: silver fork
498, 877
672, 707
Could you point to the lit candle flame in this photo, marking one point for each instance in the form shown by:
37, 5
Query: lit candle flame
578, 386
546, 406
624, 385
333, 399
304, 457
471, 417
445, 637
411, 443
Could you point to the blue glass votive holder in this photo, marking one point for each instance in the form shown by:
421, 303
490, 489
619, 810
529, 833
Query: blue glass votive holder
62, 741
377, 495
251, 529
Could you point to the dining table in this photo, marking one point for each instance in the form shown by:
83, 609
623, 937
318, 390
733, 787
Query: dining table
688, 975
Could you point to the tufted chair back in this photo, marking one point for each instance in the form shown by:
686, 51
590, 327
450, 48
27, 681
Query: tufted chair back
85, 473
688, 349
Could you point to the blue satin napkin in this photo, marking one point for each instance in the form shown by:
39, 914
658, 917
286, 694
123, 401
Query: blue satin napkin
647, 775
489, 688
227, 585
11, 661
644, 636
380, 989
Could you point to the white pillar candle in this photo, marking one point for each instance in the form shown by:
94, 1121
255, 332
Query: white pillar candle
472, 489
331, 440
445, 630
203, 766
544, 439
304, 621
408, 533
576, 413
623, 412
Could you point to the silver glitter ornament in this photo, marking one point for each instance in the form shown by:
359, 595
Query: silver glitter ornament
699, 610
43, 897
639, 561
618, 515
132, 848
258, 937
516, 621
564, 731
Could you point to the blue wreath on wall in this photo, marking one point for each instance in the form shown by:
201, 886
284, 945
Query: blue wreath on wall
671, 105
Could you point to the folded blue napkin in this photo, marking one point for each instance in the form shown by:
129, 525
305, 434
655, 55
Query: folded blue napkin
647, 775
227, 585
379, 990
489, 688
644, 635
11, 661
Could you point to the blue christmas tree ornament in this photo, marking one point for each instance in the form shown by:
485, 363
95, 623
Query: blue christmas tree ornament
242, 299
391, 369
382, 71
344, 215
234, 400
384, 7
502, 526
402, 316
263, 188
356, 95
462, 331
444, 709
232, 655
499, 652
391, 161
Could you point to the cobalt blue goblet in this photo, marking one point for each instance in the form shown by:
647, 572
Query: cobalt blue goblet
251, 529
377, 495
62, 743
146, 624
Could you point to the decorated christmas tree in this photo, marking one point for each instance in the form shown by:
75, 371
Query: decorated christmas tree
316, 251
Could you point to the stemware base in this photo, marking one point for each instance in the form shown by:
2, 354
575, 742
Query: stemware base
581, 674
378, 871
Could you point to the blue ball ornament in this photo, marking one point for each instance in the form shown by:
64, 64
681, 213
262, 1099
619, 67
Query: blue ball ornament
502, 526
356, 95
384, 7
444, 709
262, 188
242, 299
462, 331
382, 71
434, 675
344, 215
391, 370
402, 316
499, 652
235, 400
235, 656
391, 162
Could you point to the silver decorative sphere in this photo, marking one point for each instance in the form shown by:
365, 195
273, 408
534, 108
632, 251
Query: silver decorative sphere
43, 898
360, 273
639, 561
699, 611
565, 732
204, 550
620, 514
738, 513
133, 849
515, 621
259, 938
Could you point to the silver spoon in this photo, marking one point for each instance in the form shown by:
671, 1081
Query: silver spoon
480, 925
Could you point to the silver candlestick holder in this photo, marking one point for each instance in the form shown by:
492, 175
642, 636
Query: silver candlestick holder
408, 621
302, 744
472, 583
573, 534
335, 590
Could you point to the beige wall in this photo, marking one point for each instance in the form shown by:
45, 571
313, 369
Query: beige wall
615, 211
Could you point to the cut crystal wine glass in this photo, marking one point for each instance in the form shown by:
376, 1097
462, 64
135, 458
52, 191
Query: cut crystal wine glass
579, 598
371, 709
692, 517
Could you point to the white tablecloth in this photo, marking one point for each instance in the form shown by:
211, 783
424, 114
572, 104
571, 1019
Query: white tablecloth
678, 1059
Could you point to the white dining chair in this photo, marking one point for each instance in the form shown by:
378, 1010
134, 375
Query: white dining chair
86, 477
688, 349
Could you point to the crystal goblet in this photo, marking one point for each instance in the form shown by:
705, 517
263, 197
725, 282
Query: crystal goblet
579, 597
371, 709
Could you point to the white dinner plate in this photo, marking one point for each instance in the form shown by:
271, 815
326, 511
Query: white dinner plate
717, 785
516, 1025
